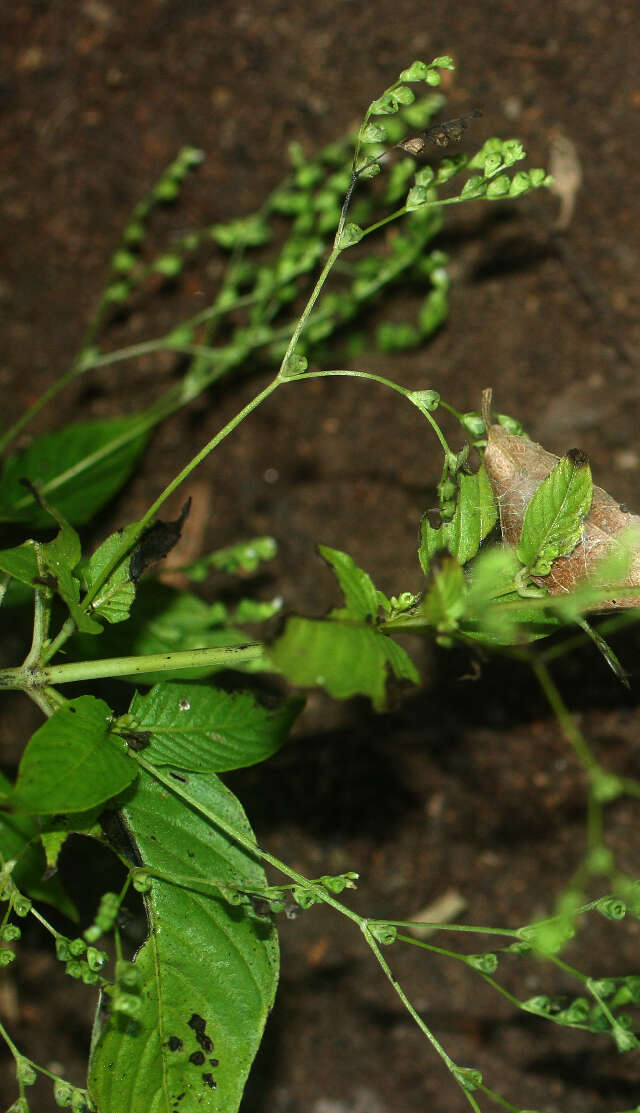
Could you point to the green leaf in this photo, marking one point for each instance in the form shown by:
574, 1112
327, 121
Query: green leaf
59, 558
77, 468
209, 970
20, 842
360, 596
474, 518
115, 597
205, 729
71, 763
21, 562
346, 660
553, 520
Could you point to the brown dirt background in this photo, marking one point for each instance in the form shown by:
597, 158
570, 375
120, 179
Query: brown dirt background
464, 786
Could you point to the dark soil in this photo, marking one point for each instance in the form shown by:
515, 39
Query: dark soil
466, 786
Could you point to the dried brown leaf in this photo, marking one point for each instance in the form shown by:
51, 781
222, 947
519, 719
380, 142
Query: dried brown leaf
516, 467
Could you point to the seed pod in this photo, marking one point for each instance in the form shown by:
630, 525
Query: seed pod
516, 467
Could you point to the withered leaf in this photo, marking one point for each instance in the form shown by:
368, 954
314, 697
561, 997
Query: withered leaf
516, 467
156, 543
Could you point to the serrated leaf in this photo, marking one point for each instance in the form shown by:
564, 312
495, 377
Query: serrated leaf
20, 841
474, 518
78, 469
360, 596
209, 969
20, 562
116, 596
553, 521
346, 660
59, 558
195, 727
72, 763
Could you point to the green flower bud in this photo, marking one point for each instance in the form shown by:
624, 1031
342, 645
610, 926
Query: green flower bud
25, 1072
21, 905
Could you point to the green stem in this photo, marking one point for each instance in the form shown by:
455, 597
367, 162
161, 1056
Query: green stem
34, 680
9, 1042
41, 612
464, 959
370, 377
470, 928
47, 699
426, 1031
569, 728
243, 840
315, 294
175, 483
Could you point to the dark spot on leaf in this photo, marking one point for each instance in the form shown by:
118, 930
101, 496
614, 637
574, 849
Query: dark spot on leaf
178, 777
72, 710
197, 1058
214, 1062
174, 1043
199, 1026
208, 1078
191, 853
136, 739
578, 458
156, 542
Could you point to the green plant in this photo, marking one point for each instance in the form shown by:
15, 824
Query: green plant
182, 1022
